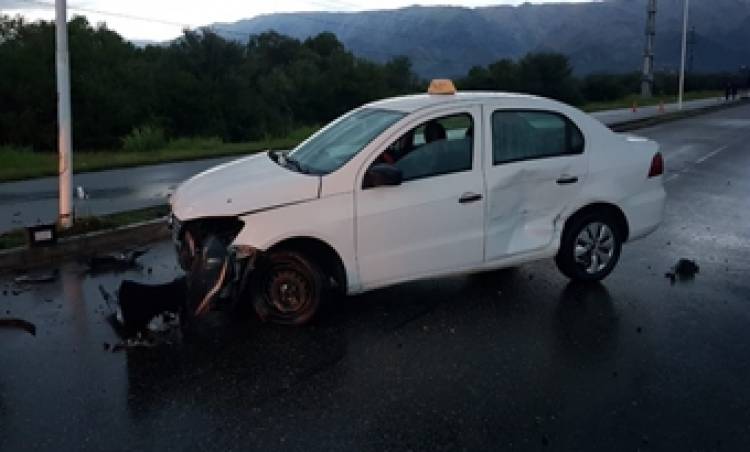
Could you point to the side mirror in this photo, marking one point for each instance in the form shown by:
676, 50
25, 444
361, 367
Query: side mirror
382, 174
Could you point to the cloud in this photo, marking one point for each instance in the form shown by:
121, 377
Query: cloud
16, 4
155, 19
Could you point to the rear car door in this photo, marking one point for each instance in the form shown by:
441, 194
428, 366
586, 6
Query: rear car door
434, 221
535, 165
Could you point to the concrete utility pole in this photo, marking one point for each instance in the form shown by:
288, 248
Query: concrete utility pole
647, 82
684, 52
691, 50
64, 140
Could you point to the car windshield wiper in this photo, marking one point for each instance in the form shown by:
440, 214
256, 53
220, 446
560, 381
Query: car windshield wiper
295, 164
276, 156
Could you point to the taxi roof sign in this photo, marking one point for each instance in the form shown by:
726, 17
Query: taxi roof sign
441, 86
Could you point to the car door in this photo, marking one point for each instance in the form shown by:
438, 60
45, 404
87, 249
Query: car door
433, 221
534, 167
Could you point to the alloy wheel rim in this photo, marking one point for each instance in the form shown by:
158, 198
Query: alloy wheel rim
594, 247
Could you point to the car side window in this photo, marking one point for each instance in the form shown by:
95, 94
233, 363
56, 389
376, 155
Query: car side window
524, 135
439, 146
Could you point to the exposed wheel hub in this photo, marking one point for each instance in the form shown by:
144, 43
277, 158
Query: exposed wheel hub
288, 291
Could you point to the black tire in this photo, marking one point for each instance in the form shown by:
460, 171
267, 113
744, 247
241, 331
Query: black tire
286, 288
585, 268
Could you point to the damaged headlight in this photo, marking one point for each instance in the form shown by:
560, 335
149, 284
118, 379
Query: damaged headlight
190, 236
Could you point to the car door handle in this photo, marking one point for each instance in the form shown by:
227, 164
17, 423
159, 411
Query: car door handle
564, 180
469, 197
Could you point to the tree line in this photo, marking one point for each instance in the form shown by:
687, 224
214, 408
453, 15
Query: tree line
202, 85
551, 75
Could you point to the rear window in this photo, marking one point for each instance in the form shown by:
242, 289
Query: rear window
524, 135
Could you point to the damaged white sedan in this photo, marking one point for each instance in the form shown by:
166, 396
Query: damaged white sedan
415, 187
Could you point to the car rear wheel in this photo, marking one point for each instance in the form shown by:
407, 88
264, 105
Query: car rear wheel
287, 288
590, 247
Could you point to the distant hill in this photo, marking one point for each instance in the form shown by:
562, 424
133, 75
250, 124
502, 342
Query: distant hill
598, 36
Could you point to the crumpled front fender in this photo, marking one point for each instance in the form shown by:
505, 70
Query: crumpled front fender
218, 273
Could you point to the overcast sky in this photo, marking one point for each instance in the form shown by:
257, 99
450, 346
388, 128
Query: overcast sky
168, 17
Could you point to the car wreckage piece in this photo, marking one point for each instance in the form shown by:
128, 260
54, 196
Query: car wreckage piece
217, 276
215, 270
213, 275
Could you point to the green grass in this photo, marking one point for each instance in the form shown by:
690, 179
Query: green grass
627, 102
83, 225
19, 164
12, 239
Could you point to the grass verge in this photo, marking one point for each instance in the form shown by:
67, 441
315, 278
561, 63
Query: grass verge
84, 225
628, 101
19, 164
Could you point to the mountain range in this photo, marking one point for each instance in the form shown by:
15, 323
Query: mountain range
597, 36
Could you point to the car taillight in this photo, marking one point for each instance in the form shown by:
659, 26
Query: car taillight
657, 165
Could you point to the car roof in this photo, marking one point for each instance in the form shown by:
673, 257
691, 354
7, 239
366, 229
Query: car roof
411, 103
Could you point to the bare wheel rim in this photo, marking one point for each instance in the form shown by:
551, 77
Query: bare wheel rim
288, 291
594, 247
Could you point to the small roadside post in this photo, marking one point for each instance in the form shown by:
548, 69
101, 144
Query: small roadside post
64, 140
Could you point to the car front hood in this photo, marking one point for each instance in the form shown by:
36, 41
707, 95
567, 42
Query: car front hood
242, 186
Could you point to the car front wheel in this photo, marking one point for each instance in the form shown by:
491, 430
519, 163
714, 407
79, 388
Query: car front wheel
287, 288
590, 248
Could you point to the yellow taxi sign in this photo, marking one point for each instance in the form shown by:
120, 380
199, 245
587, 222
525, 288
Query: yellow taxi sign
441, 86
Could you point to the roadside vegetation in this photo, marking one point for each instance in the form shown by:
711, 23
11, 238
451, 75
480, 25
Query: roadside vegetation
136, 105
628, 101
24, 163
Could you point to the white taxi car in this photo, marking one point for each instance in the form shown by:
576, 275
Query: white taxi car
415, 187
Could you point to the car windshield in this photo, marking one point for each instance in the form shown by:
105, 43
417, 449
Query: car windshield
342, 140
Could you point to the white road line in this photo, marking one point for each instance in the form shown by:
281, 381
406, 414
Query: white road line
711, 154
699, 161
673, 155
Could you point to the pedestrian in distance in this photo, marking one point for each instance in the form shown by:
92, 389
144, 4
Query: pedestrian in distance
727, 91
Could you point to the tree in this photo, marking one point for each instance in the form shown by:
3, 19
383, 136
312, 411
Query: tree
549, 75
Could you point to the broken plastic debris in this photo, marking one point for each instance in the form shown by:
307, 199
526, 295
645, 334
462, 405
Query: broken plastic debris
18, 324
118, 262
164, 322
136, 342
37, 277
105, 295
140, 303
684, 269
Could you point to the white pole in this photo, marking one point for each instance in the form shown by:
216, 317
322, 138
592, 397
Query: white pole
684, 52
64, 141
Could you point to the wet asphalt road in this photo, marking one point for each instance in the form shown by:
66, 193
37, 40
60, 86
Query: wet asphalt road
30, 202
513, 360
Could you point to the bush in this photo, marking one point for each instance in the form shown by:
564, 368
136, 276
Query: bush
603, 87
198, 143
144, 138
